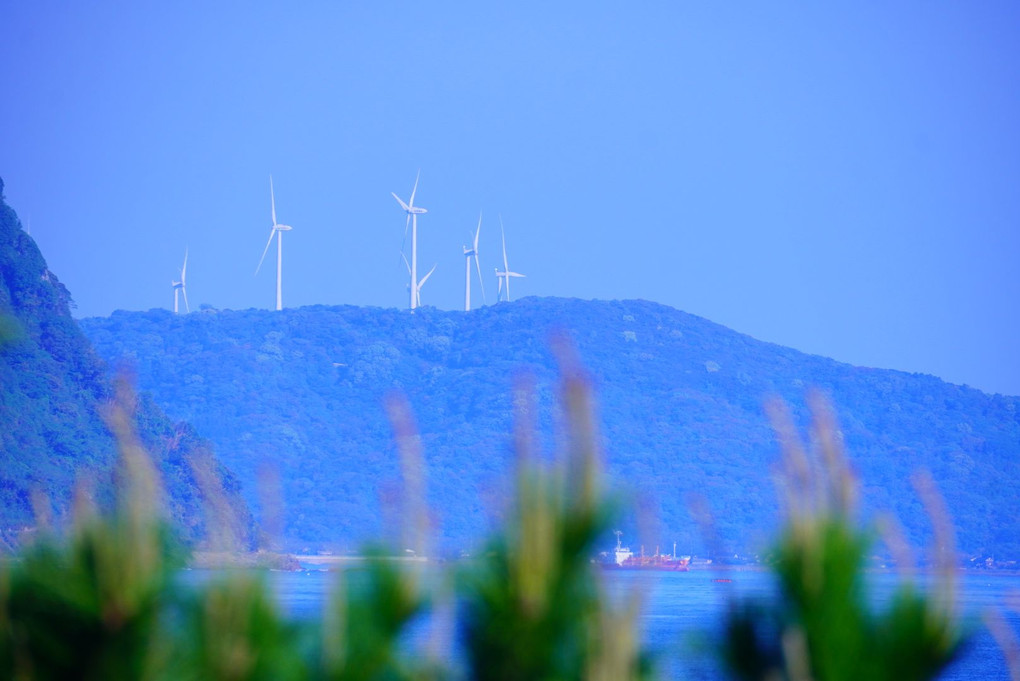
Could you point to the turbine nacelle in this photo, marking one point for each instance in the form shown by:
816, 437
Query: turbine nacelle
410, 210
409, 207
413, 212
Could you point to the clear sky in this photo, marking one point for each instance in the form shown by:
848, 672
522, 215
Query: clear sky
842, 179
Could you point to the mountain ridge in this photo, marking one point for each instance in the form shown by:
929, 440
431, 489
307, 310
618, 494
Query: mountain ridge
680, 407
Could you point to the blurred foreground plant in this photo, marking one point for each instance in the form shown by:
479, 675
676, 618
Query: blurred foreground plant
103, 603
823, 627
533, 606
90, 607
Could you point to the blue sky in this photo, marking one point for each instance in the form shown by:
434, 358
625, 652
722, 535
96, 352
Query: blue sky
843, 180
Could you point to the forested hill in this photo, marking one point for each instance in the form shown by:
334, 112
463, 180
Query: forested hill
53, 387
301, 392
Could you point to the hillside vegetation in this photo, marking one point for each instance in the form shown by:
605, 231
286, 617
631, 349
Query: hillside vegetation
532, 606
301, 393
53, 391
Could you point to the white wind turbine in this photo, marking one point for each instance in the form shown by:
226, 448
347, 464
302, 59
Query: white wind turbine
179, 286
413, 212
277, 231
417, 289
504, 276
469, 253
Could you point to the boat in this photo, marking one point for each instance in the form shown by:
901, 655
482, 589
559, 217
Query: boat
625, 559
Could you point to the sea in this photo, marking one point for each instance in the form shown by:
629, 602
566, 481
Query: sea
682, 611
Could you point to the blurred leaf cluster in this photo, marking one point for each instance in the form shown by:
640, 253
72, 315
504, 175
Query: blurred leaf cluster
823, 626
534, 608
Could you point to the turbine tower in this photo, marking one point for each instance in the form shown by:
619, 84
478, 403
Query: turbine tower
413, 212
277, 231
179, 286
469, 253
504, 276
417, 290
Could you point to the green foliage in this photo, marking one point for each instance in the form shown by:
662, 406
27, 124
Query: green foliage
533, 607
232, 630
823, 626
91, 607
9, 329
366, 620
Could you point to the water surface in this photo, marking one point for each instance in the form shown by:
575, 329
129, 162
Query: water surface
682, 611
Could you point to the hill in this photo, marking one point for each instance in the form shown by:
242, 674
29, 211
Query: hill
53, 389
301, 392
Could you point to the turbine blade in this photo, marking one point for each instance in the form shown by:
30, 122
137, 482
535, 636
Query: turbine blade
411, 202
402, 204
272, 197
184, 292
481, 283
515, 274
406, 264
403, 242
185, 268
426, 277
272, 232
478, 231
502, 233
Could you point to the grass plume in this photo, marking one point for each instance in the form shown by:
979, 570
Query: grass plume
823, 628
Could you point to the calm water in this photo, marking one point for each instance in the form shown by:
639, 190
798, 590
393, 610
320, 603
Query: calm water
680, 607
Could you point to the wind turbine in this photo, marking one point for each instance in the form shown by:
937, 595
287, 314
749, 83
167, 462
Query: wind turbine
179, 286
417, 290
468, 254
413, 212
504, 276
277, 231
